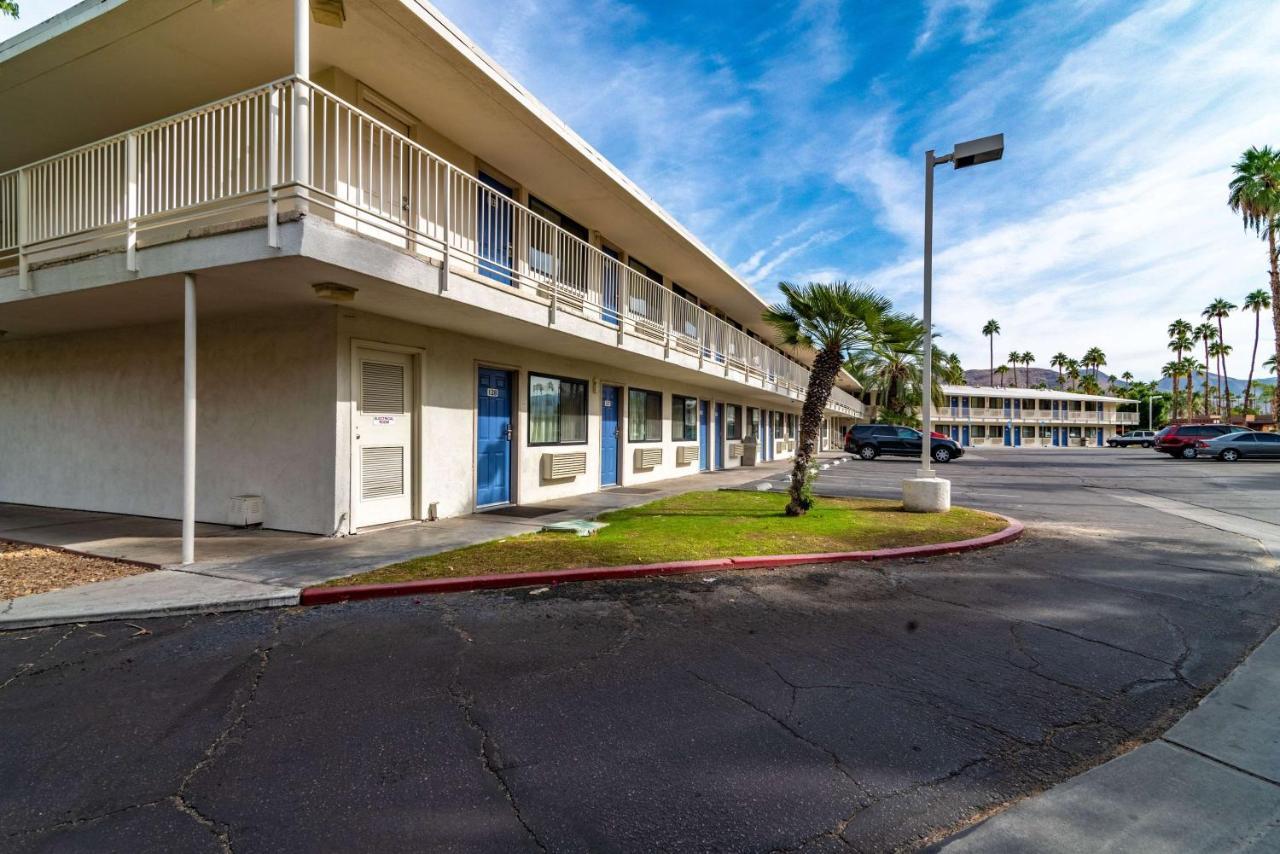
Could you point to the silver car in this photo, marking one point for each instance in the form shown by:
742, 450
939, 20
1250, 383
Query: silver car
1244, 444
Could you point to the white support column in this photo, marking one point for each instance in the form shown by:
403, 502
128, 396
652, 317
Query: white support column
189, 419
302, 94
23, 203
273, 168
131, 202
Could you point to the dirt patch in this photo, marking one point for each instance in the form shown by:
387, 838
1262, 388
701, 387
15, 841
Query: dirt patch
26, 570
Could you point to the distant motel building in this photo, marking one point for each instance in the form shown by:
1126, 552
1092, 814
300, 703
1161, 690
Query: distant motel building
976, 416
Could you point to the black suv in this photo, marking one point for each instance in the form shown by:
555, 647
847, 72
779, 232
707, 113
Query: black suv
869, 441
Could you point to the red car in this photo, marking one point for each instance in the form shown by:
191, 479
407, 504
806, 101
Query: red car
1179, 440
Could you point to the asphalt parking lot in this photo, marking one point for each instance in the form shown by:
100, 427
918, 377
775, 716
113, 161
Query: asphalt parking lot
866, 707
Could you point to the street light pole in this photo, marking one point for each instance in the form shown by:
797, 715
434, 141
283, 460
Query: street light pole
926, 492
926, 392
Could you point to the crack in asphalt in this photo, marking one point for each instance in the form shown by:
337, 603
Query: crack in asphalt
241, 702
489, 753
29, 667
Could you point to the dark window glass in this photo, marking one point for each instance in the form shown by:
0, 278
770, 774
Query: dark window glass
644, 415
732, 422
557, 411
684, 418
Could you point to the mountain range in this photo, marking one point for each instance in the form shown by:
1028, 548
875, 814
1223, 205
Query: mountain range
1049, 376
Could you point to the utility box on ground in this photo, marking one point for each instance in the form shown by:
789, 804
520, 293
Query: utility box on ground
749, 451
245, 511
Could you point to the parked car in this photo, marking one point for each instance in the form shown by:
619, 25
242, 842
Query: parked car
869, 441
1145, 438
1241, 445
1179, 440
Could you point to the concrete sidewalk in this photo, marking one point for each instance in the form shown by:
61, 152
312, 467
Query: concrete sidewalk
242, 570
1211, 784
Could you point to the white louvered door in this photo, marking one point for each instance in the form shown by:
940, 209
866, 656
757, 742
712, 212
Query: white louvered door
383, 445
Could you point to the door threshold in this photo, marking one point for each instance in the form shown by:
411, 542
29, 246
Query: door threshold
384, 526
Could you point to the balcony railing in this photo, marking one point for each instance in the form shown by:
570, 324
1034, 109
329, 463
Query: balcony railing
239, 154
978, 413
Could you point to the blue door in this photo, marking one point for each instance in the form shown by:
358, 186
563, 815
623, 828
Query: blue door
493, 438
609, 397
1099, 434
609, 287
955, 433
1055, 436
704, 438
1008, 435
964, 401
719, 435
965, 432
493, 229
1017, 436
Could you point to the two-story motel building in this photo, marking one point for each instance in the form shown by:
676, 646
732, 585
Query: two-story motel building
328, 253
1028, 417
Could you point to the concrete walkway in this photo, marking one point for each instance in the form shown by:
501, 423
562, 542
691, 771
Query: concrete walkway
1211, 784
244, 569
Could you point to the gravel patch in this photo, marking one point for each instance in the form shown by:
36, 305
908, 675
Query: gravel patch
26, 570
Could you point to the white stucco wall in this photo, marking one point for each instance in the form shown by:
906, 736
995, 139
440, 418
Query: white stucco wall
450, 362
93, 420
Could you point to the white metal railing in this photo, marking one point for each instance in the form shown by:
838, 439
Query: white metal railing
1062, 416
238, 153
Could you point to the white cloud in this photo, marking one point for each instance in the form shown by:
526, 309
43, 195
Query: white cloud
969, 16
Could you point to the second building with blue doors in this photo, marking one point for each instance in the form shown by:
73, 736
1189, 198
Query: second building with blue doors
977, 416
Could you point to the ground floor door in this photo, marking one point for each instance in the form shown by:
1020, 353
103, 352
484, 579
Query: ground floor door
493, 437
965, 433
718, 434
1017, 436
383, 437
704, 437
609, 404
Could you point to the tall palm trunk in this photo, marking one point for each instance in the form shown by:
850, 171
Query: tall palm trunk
1253, 359
1275, 306
825, 369
1224, 390
1206, 378
991, 339
1175, 395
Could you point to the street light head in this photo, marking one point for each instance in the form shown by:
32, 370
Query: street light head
977, 151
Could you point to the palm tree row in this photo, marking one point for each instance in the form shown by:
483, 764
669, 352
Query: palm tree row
1210, 336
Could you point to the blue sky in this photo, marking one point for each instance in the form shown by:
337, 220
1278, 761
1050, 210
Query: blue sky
789, 137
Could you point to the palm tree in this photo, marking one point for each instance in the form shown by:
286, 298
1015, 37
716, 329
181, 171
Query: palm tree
1206, 333
1180, 341
1220, 352
1217, 310
1027, 359
1073, 373
991, 329
955, 371
1015, 359
1255, 195
1059, 361
1127, 378
834, 320
1095, 359
889, 367
1002, 372
1089, 385
1190, 367
1257, 301
1173, 370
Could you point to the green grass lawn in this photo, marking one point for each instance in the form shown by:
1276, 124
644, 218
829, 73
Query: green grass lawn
700, 525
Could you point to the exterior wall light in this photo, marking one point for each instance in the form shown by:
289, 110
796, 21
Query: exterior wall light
335, 292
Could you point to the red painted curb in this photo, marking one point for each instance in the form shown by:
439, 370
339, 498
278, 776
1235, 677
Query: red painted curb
330, 595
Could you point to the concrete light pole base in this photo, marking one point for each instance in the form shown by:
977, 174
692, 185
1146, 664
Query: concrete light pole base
926, 495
